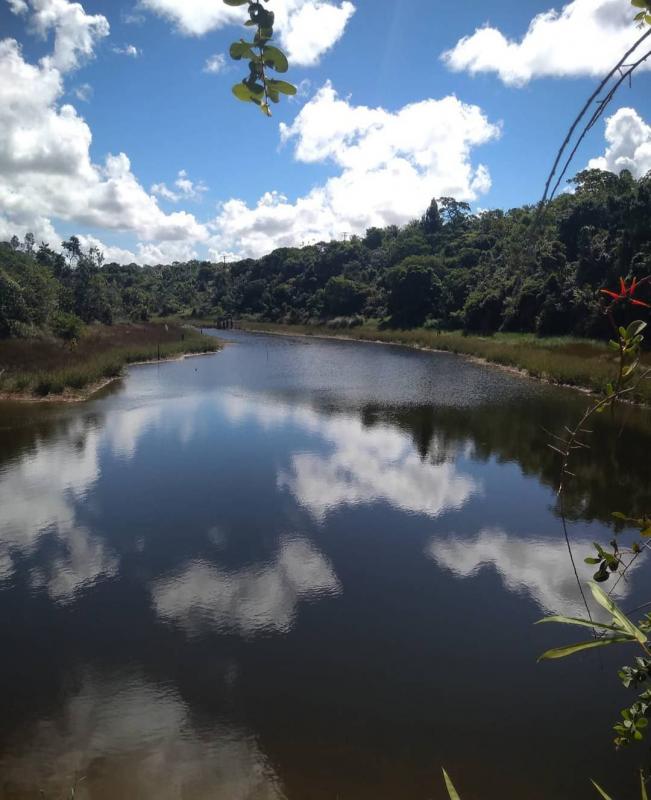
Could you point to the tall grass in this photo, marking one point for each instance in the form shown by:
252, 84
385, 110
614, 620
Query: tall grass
564, 360
44, 367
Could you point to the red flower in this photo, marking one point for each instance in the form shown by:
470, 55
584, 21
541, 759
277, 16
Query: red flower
626, 293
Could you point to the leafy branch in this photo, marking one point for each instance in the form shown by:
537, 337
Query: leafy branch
627, 343
258, 87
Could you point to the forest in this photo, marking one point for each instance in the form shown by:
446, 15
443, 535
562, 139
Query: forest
520, 270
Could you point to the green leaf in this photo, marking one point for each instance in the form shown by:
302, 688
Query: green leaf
239, 50
643, 793
275, 58
450, 787
242, 92
601, 791
605, 602
283, 87
635, 328
586, 623
570, 649
236, 2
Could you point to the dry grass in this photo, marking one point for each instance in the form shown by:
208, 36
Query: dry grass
564, 360
42, 367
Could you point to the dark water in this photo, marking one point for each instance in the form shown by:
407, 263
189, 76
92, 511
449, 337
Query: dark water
305, 570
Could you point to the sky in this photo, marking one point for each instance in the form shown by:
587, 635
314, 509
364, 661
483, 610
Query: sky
117, 121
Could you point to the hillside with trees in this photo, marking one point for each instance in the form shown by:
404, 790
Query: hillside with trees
515, 270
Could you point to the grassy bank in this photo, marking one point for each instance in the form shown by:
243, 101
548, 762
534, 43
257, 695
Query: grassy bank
569, 361
52, 367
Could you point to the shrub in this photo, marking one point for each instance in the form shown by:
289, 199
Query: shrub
66, 326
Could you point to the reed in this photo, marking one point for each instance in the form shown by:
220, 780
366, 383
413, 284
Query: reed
47, 367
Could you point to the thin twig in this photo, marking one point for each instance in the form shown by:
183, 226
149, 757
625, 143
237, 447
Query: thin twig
583, 112
603, 104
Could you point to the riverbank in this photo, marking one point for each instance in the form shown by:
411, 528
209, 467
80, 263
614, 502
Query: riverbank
566, 361
49, 368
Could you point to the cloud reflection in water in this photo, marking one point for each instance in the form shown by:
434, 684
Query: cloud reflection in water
249, 601
540, 568
132, 738
365, 464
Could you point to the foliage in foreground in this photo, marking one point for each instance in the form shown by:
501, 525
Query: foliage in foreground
257, 87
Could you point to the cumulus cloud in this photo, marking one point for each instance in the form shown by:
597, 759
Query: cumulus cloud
390, 166
587, 37
46, 171
75, 32
306, 28
629, 144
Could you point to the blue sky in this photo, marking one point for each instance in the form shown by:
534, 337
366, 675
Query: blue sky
383, 121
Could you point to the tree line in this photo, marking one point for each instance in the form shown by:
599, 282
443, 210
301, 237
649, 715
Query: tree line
518, 270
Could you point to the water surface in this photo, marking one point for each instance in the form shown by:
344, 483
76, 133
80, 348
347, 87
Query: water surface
308, 570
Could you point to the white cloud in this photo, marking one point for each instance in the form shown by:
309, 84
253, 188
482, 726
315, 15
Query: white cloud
587, 37
132, 18
391, 165
45, 167
84, 92
128, 50
119, 255
75, 32
303, 90
306, 28
215, 64
186, 189
629, 144
253, 600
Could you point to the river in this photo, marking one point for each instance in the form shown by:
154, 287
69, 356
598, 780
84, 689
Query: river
306, 569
